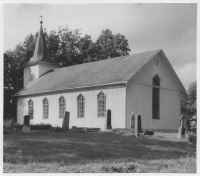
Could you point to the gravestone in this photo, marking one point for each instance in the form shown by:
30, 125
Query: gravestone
109, 126
138, 125
65, 124
181, 129
26, 129
132, 120
26, 120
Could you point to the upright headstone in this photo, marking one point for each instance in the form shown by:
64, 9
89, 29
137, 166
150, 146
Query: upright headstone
181, 129
65, 124
26, 120
132, 120
139, 124
109, 126
136, 126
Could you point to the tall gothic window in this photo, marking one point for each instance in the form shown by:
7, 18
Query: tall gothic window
101, 98
30, 109
45, 108
62, 107
81, 105
156, 98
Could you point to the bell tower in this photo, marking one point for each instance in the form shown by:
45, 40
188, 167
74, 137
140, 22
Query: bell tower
40, 63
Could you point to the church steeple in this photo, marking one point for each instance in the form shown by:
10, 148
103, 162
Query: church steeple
40, 53
40, 63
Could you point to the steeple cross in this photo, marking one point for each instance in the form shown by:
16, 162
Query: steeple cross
41, 19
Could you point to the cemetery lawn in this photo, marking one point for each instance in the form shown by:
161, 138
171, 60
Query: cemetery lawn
47, 151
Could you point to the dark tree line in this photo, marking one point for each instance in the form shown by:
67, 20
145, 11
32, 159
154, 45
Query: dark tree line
66, 47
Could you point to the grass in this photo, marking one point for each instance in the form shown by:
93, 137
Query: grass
93, 152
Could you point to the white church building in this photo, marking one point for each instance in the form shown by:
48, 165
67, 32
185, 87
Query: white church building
143, 83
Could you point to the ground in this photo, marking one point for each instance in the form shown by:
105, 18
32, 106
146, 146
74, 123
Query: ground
48, 151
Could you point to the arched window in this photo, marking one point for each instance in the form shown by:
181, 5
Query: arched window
81, 105
45, 108
101, 99
156, 98
30, 109
62, 107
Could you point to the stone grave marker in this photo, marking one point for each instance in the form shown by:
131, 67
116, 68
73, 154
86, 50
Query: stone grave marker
26, 129
139, 124
26, 120
132, 121
136, 126
65, 124
181, 129
109, 126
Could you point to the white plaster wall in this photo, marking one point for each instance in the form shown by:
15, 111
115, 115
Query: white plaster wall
43, 68
139, 96
115, 100
34, 72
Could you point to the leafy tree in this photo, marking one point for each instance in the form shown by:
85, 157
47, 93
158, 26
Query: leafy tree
192, 97
69, 46
110, 45
189, 100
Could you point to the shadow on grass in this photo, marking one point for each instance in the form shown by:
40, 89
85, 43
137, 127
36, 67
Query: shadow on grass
82, 148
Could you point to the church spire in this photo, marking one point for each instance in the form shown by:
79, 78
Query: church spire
40, 53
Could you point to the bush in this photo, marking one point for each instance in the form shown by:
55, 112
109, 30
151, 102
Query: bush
56, 129
40, 127
192, 138
192, 129
34, 127
18, 126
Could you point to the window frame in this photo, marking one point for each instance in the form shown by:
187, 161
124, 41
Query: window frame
45, 108
80, 106
30, 109
62, 107
156, 98
101, 105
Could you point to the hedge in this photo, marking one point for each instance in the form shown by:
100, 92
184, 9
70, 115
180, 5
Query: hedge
35, 127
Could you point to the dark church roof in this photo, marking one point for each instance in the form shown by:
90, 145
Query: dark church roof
40, 52
109, 71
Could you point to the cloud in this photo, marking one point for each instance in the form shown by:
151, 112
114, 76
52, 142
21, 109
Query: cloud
32, 7
187, 74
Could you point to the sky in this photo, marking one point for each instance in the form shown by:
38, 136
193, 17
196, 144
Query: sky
168, 26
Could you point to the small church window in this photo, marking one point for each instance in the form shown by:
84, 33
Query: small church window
30, 109
62, 107
81, 105
45, 109
101, 98
156, 98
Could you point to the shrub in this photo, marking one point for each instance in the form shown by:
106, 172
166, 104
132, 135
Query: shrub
40, 126
35, 127
56, 129
18, 126
192, 129
192, 138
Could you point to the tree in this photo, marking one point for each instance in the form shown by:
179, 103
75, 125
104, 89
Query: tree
189, 100
192, 97
110, 45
